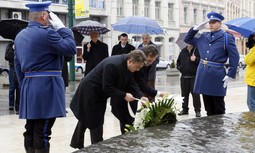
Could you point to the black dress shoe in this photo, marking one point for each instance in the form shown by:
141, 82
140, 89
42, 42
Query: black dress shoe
11, 108
183, 113
198, 114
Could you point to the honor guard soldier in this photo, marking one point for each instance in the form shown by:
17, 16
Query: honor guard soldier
39, 52
215, 48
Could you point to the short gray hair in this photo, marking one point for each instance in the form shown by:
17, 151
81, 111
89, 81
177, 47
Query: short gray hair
137, 56
35, 15
146, 35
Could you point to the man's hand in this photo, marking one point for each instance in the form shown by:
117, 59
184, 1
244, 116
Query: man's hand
88, 46
225, 79
144, 99
193, 58
164, 94
55, 21
129, 97
200, 26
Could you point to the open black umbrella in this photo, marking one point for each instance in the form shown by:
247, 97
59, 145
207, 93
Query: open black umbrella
9, 28
85, 27
78, 37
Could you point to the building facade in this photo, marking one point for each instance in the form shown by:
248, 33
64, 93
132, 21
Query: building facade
174, 16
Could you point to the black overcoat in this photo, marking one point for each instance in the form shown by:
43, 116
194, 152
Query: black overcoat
117, 49
119, 106
65, 69
98, 51
109, 78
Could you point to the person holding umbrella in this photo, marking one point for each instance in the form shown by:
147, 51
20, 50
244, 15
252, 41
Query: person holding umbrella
249, 76
215, 48
14, 85
94, 52
39, 52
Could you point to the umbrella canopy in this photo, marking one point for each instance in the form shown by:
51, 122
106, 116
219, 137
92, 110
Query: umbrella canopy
180, 41
78, 37
137, 25
85, 27
11, 27
245, 26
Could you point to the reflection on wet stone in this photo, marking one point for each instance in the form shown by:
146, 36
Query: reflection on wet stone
233, 133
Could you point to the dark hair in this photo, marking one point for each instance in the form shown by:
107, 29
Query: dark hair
137, 56
124, 35
150, 49
251, 42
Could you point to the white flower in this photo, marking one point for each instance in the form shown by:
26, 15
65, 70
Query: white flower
177, 98
139, 118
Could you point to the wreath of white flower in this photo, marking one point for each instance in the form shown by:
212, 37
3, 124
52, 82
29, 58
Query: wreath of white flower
157, 113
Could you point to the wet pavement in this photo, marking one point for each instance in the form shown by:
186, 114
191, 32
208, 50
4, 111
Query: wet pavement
12, 128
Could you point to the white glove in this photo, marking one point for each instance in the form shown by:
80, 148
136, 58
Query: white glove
55, 21
225, 79
200, 26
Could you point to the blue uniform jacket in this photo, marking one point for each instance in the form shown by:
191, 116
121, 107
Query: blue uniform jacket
40, 48
211, 48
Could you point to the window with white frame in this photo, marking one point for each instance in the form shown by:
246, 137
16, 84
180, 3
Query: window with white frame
119, 7
170, 11
185, 9
195, 16
146, 8
204, 15
135, 7
157, 10
93, 3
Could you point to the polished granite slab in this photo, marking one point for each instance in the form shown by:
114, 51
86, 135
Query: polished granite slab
234, 132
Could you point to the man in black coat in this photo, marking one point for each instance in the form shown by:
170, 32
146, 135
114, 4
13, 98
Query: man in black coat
123, 47
119, 106
109, 78
152, 73
94, 52
187, 64
13, 81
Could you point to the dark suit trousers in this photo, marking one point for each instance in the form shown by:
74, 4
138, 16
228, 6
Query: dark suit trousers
187, 85
151, 83
214, 105
37, 134
96, 135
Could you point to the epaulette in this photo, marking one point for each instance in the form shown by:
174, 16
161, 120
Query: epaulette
44, 27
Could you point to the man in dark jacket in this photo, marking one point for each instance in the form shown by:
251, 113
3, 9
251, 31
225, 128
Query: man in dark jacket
13, 81
187, 63
119, 106
123, 47
152, 73
94, 52
109, 78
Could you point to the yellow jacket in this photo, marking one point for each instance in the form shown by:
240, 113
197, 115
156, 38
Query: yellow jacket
249, 60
